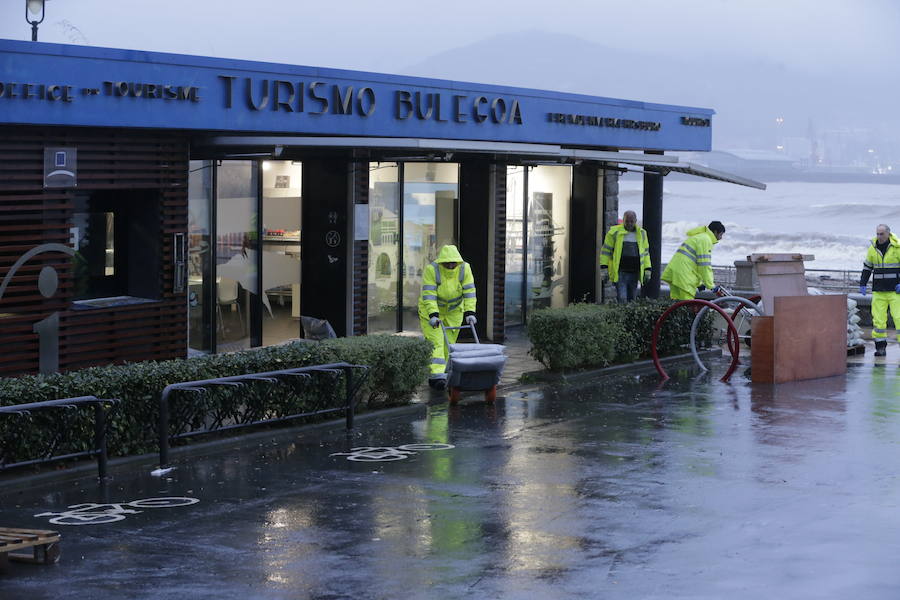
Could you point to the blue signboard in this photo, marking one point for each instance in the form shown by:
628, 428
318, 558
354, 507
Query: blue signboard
54, 84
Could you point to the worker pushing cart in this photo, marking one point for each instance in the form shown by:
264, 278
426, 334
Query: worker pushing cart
448, 298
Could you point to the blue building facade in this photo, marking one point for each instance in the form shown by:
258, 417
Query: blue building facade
246, 198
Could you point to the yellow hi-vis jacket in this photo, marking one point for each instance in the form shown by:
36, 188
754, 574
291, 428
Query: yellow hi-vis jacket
611, 252
884, 268
447, 290
691, 265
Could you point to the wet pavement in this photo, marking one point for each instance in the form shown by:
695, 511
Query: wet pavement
621, 488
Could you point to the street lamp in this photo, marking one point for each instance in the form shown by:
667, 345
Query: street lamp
33, 10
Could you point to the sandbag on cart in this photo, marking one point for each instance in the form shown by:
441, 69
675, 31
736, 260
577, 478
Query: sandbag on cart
473, 367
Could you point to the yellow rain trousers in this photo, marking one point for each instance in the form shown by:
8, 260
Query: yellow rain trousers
450, 293
885, 272
881, 302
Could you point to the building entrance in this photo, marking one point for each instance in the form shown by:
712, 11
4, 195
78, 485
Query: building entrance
244, 254
413, 211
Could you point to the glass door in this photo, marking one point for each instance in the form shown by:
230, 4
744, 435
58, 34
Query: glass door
537, 239
281, 210
429, 218
547, 267
237, 253
384, 247
200, 319
514, 285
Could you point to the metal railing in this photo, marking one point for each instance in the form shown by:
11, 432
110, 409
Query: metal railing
217, 423
844, 280
49, 454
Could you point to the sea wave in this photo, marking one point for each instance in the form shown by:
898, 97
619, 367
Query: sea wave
833, 222
872, 211
831, 250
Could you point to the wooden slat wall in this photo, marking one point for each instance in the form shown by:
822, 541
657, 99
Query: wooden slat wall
108, 159
499, 315
360, 288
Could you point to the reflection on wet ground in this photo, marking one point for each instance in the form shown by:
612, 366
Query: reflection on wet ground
621, 488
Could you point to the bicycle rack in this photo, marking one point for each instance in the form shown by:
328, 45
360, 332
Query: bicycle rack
200, 386
742, 303
732, 331
99, 450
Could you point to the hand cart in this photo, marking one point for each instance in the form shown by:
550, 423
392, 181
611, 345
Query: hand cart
473, 367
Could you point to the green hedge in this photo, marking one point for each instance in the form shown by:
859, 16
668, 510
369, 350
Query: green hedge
397, 366
592, 335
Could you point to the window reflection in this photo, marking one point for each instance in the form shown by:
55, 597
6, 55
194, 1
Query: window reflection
199, 202
281, 250
384, 246
236, 252
429, 209
430, 200
549, 191
515, 246
537, 239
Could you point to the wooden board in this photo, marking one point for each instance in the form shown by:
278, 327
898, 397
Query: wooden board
762, 351
810, 335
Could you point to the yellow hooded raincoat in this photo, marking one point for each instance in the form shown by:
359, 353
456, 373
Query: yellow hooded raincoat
449, 293
691, 265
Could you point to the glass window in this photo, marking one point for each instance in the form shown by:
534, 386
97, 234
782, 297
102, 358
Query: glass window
199, 252
384, 246
116, 238
515, 246
537, 239
237, 247
549, 195
430, 201
281, 212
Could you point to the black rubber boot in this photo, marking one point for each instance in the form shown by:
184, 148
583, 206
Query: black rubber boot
880, 347
437, 383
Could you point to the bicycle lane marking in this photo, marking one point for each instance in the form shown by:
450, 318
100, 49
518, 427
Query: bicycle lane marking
389, 453
93, 513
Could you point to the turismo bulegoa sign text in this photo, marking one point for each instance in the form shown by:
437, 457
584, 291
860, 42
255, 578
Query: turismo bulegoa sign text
314, 98
321, 98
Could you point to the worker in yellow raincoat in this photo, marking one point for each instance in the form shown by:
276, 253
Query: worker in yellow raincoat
691, 265
448, 295
625, 256
882, 263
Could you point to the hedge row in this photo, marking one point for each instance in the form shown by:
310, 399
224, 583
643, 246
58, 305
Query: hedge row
591, 335
397, 366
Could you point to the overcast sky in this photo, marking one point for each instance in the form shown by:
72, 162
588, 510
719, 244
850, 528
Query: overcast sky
827, 63
386, 36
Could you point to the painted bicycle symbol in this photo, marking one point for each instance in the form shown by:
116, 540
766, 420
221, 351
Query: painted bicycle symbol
388, 453
93, 514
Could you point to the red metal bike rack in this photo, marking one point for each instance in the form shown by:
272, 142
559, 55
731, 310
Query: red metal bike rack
732, 331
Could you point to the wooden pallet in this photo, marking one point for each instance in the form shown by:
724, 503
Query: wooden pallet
858, 349
44, 546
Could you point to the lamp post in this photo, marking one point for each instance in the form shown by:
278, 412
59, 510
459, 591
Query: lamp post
33, 10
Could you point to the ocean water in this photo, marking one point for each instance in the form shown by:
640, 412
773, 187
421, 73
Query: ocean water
832, 221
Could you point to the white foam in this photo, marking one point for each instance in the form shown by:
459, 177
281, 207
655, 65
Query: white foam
832, 221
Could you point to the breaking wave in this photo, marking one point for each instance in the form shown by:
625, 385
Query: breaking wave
832, 222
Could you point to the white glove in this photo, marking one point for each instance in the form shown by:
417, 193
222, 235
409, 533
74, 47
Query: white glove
471, 320
434, 322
